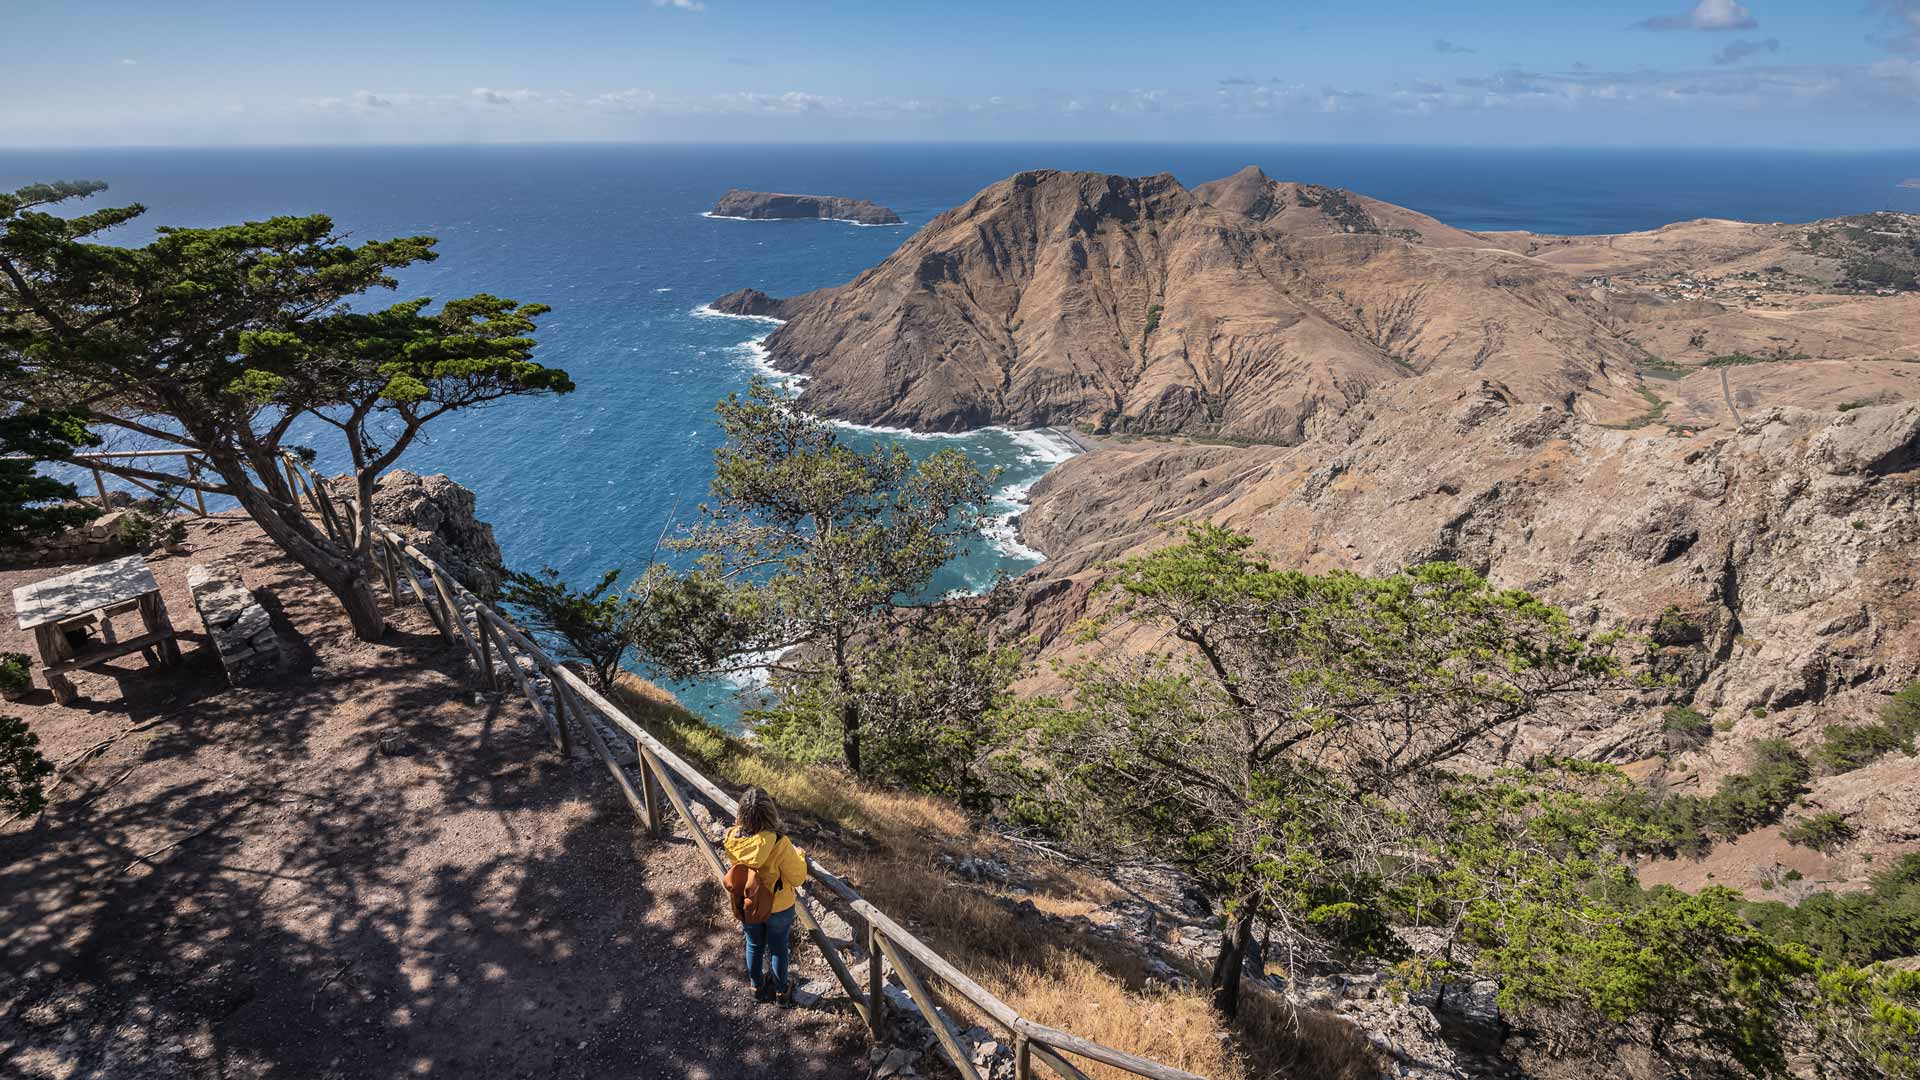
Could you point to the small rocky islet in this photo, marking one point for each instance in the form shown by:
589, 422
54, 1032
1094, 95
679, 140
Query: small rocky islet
778, 206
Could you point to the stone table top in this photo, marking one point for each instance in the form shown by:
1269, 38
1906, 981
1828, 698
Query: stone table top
82, 591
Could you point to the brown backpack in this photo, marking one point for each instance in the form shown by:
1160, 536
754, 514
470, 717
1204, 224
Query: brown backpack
747, 888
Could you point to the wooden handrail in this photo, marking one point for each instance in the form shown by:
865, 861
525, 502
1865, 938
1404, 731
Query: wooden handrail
660, 766
195, 462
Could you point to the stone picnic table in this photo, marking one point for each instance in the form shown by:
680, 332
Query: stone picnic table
90, 598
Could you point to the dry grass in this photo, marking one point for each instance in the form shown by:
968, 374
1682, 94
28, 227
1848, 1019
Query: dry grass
1053, 974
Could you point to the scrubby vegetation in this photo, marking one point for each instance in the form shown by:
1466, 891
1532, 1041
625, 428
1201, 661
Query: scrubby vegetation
1824, 832
1309, 748
1686, 728
1845, 747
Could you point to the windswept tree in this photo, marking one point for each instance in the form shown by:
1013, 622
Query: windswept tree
1272, 748
222, 340
589, 624
809, 549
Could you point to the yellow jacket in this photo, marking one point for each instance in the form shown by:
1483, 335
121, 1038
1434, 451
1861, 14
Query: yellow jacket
760, 851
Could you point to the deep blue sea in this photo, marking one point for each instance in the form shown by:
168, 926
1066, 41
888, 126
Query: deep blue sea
613, 239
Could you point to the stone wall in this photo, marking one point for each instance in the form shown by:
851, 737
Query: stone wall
95, 541
240, 629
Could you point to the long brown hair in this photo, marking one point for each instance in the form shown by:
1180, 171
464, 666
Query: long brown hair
757, 814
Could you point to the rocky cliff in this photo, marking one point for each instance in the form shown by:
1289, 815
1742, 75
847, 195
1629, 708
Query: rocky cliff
1713, 422
770, 205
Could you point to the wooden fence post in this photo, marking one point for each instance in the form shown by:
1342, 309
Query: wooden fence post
876, 984
650, 790
193, 476
962, 1061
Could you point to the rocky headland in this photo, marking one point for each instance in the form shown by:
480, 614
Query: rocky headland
772, 205
1712, 425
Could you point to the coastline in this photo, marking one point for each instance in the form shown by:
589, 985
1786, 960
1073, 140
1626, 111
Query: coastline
1046, 446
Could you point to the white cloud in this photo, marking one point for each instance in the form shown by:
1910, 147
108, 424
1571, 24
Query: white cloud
129, 63
504, 97
683, 5
1706, 15
367, 99
1448, 48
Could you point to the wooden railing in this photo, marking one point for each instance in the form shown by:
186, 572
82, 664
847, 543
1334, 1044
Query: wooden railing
408, 573
195, 463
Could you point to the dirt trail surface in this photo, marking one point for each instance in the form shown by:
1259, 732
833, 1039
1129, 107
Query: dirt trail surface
248, 883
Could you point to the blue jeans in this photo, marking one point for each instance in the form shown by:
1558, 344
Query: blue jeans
768, 942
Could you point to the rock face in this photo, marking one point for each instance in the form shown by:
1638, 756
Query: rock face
1789, 547
750, 302
436, 515
768, 205
1264, 310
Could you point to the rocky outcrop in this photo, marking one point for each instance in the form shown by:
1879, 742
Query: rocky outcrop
436, 515
751, 302
768, 205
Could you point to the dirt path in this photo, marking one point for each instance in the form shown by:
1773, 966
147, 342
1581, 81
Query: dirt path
247, 886
1726, 391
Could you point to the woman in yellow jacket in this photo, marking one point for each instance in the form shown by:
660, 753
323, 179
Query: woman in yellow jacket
756, 840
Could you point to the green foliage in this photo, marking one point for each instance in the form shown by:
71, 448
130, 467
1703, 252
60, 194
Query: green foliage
1153, 318
1881, 922
21, 768
1776, 774
1685, 973
1824, 832
16, 673
145, 529
1846, 747
1684, 727
1268, 753
1867, 1021
1902, 711
220, 339
1781, 355
589, 623
811, 553
931, 693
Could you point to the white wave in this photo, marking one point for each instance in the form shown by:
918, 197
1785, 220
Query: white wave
706, 311
667, 289
757, 356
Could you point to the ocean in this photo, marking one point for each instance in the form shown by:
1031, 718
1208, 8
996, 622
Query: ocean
614, 239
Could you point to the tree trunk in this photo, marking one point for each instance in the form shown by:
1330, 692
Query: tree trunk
1232, 960
850, 734
349, 580
363, 608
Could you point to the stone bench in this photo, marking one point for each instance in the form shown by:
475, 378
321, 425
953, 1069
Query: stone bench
240, 629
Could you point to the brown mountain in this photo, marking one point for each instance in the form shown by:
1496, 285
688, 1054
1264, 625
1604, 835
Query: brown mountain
1716, 419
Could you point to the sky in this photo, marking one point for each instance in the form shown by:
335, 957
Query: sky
1791, 74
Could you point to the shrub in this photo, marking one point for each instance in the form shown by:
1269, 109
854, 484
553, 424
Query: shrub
1824, 832
1676, 627
1902, 711
1775, 776
1684, 727
1879, 923
21, 767
587, 623
1846, 747
16, 676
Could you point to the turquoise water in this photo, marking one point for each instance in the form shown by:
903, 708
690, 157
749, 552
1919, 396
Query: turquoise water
614, 239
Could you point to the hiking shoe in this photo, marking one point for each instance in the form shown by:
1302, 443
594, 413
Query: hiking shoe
763, 993
784, 998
